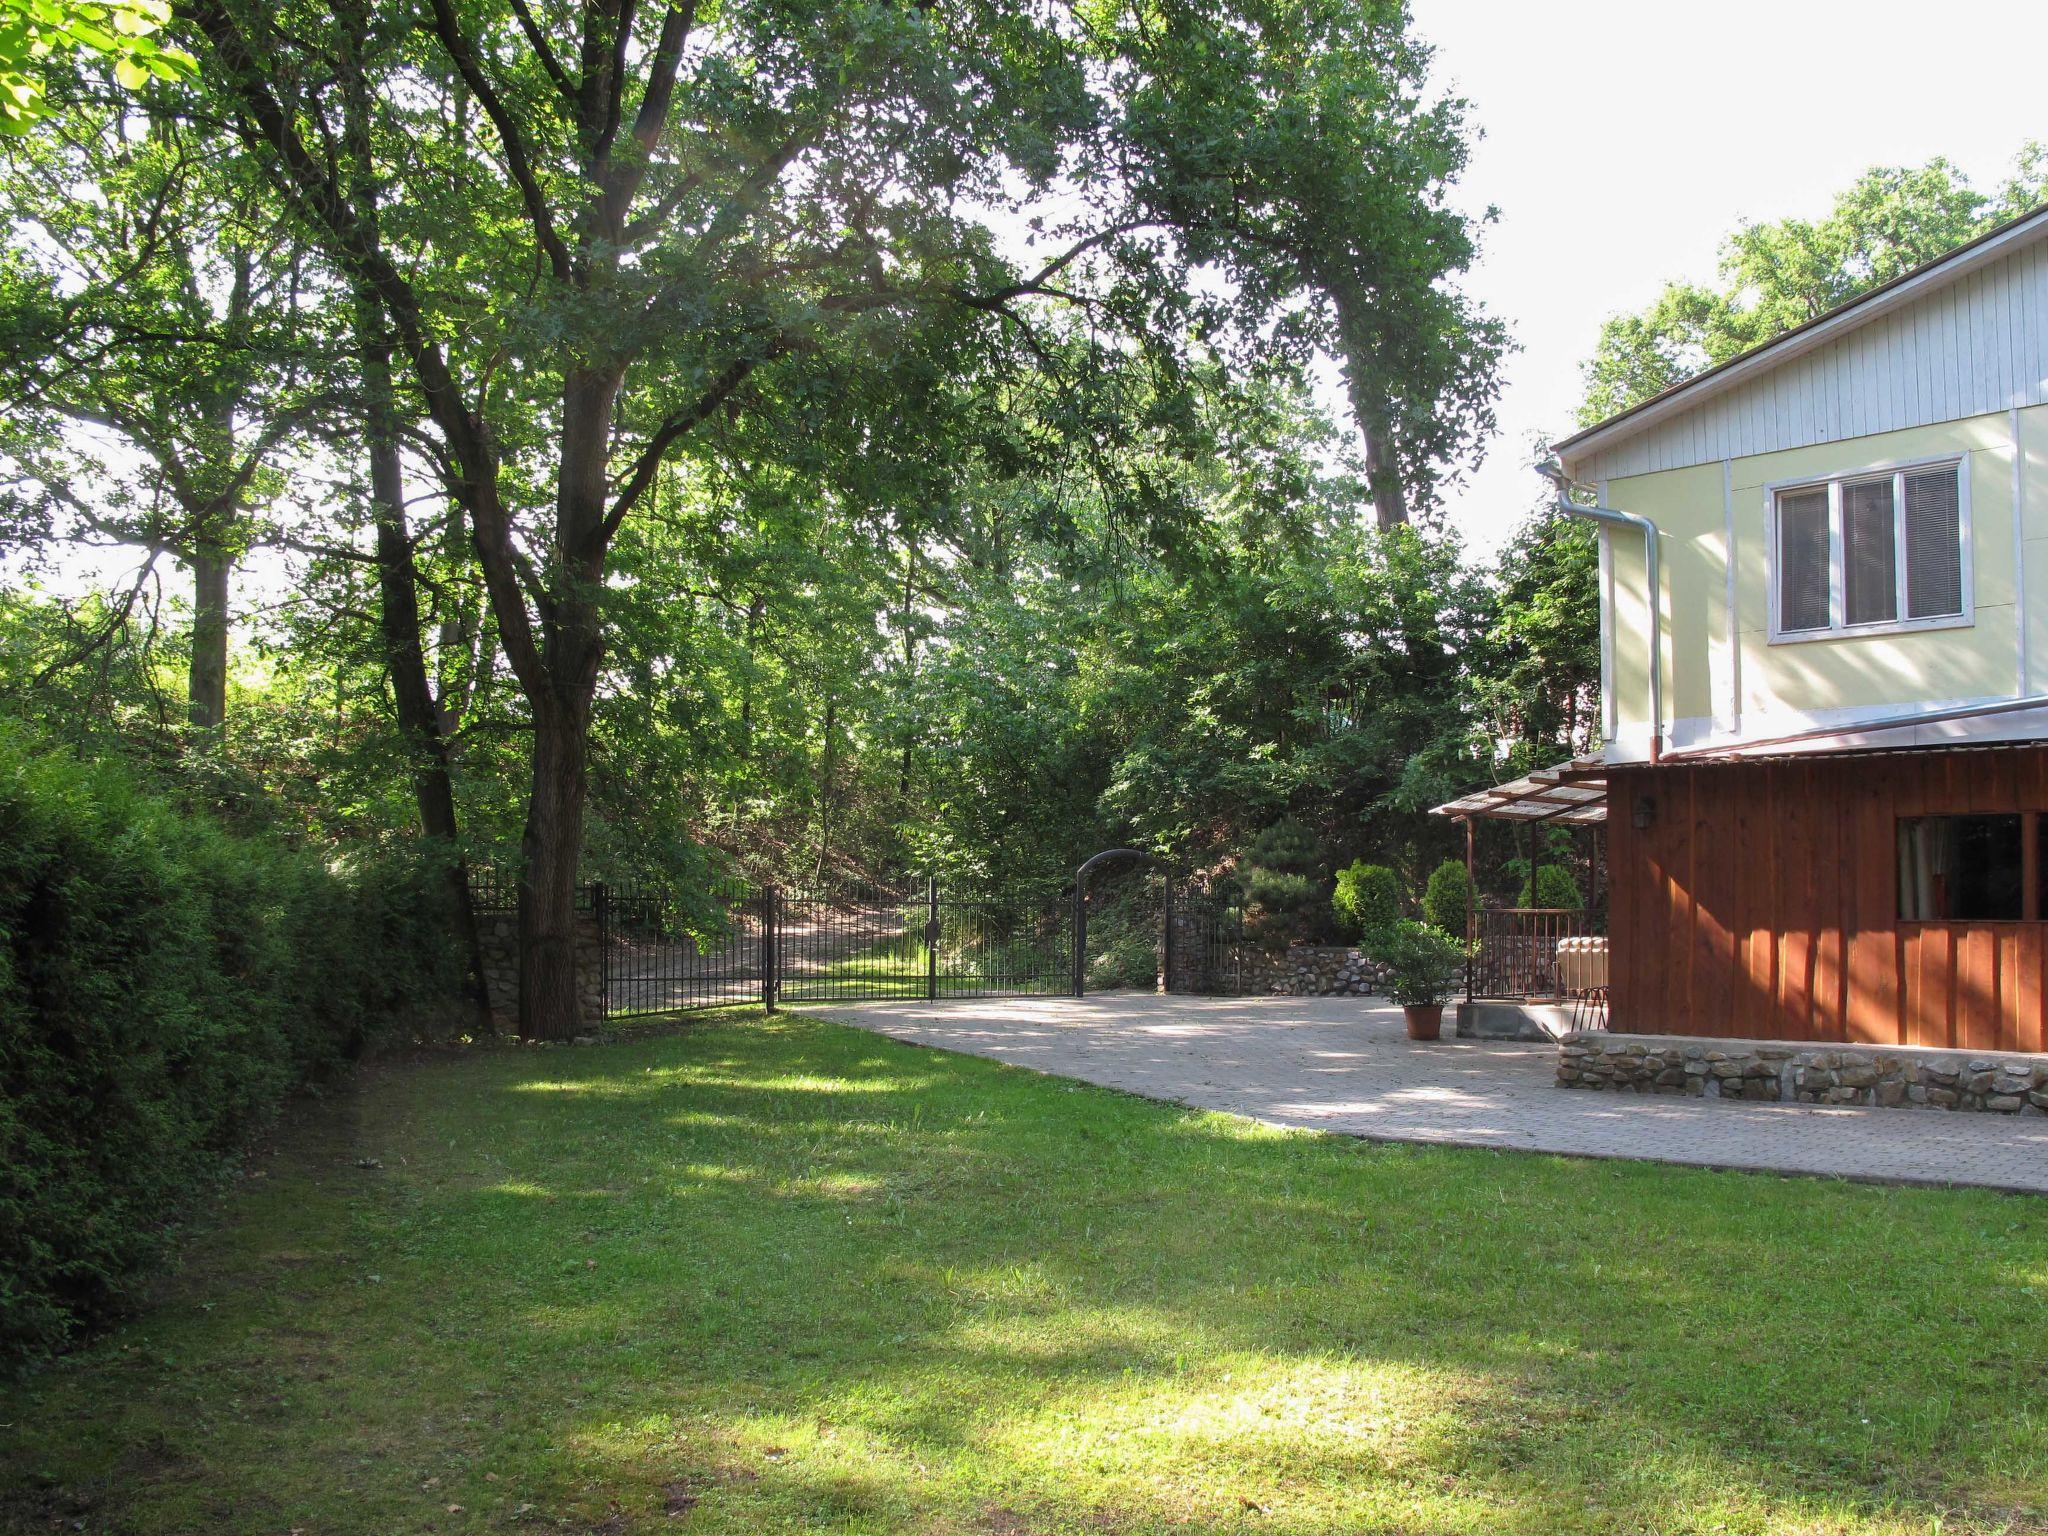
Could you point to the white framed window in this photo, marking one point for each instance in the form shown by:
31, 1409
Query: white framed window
1876, 551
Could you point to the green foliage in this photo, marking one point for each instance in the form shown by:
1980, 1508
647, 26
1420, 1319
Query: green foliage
1555, 887
1535, 673
1448, 895
163, 985
1368, 897
1424, 964
122, 32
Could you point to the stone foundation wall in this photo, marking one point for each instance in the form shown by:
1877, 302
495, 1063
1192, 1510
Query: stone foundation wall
1790, 1072
498, 932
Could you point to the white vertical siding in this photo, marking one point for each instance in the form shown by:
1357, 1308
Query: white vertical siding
1974, 346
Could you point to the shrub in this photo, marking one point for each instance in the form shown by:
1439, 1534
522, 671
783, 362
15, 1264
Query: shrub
1424, 965
163, 985
1368, 897
1555, 887
1446, 897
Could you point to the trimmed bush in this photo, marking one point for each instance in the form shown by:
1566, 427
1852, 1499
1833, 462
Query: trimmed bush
1368, 897
1555, 887
1446, 897
164, 984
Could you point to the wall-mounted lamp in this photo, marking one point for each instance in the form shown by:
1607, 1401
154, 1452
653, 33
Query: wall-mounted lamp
1646, 813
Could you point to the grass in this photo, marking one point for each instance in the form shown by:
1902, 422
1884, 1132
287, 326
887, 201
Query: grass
775, 1275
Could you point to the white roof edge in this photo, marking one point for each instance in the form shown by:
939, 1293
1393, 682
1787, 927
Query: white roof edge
1796, 343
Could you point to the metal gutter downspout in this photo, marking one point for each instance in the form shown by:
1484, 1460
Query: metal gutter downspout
1615, 517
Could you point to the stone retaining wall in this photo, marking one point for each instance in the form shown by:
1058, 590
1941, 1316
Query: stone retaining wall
1779, 1071
498, 933
1324, 971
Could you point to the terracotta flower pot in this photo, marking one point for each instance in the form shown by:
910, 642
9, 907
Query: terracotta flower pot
1425, 1020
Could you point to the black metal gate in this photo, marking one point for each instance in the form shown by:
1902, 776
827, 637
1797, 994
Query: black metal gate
662, 955
855, 942
841, 943
1207, 950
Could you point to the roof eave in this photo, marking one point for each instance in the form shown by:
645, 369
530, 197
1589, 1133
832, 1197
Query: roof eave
1992, 245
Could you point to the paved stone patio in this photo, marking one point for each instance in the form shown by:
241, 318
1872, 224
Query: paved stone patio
1345, 1065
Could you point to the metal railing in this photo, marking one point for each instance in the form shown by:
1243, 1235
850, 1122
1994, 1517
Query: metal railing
1516, 955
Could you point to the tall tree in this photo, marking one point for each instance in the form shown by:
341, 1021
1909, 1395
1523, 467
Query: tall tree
667, 216
154, 315
1298, 149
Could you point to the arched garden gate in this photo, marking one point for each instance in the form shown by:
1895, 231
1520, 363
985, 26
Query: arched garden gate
1125, 922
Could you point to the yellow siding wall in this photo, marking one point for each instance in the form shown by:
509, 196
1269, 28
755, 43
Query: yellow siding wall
1790, 684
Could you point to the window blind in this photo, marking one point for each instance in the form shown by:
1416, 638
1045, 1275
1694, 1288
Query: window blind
1803, 560
1934, 544
1870, 563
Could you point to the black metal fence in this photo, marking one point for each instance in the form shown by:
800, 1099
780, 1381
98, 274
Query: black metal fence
1521, 953
665, 951
859, 942
663, 956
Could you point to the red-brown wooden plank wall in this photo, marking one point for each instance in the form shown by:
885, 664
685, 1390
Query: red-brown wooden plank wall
1762, 902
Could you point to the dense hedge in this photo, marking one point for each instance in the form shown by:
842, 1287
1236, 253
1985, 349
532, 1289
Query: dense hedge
164, 984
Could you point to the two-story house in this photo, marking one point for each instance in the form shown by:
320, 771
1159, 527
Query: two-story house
1824, 673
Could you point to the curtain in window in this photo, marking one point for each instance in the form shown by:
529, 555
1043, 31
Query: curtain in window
1803, 560
1934, 544
1870, 564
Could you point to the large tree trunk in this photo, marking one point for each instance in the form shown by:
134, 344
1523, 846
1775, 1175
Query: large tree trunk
419, 717
1389, 505
1368, 407
572, 650
207, 674
551, 851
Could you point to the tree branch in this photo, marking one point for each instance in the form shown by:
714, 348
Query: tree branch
517, 160
641, 475
538, 41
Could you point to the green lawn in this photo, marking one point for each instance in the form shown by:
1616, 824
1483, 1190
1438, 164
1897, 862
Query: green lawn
765, 1276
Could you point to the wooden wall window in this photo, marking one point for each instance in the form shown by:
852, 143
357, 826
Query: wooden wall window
1975, 868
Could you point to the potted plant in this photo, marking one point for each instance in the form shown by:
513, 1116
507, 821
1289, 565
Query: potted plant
1423, 966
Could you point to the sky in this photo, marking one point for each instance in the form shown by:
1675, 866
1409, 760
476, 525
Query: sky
1624, 138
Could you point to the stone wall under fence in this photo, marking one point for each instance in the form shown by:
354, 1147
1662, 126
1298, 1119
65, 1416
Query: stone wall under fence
1804, 1072
498, 936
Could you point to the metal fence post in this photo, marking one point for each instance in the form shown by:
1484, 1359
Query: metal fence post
931, 939
771, 950
1166, 942
601, 912
1080, 936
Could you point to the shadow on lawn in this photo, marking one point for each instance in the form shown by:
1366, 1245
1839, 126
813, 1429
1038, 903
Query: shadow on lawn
783, 1276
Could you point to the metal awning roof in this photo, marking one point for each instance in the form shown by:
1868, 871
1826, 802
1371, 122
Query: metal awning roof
1574, 793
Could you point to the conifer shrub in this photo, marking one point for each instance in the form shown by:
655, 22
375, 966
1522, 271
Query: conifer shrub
1284, 885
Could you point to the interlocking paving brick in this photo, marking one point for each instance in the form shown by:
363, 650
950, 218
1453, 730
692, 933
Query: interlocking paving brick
1345, 1065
